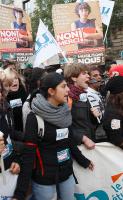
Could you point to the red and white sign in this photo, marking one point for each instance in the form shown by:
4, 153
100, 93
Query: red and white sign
9, 35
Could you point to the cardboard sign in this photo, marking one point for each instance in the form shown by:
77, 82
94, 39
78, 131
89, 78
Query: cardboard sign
15, 30
78, 30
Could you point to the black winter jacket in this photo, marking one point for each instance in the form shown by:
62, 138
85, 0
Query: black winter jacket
56, 155
83, 121
12, 138
6, 126
113, 125
16, 100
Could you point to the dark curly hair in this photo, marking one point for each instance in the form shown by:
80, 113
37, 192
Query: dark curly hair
81, 6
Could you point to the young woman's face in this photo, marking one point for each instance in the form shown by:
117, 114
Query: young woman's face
15, 85
82, 80
60, 93
83, 13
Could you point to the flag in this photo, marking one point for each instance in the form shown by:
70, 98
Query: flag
45, 46
106, 9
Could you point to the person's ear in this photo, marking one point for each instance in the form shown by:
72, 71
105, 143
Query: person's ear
51, 91
74, 79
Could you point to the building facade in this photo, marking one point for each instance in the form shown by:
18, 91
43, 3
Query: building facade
29, 6
7, 2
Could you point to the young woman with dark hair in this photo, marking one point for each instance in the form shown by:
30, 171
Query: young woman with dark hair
56, 148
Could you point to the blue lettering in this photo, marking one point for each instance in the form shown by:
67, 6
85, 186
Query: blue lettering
105, 11
40, 44
4, 197
101, 195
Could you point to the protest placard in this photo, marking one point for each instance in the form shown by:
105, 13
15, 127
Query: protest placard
78, 30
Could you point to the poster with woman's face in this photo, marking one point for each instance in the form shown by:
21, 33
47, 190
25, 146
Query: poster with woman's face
78, 31
15, 30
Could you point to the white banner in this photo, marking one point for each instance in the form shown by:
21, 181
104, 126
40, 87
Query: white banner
7, 186
46, 46
106, 181
106, 9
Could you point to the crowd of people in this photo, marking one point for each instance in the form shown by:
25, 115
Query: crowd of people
44, 116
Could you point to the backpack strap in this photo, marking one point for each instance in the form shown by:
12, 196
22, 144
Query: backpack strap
40, 122
38, 156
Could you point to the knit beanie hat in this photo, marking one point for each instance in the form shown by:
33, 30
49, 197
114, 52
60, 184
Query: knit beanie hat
116, 70
115, 85
51, 80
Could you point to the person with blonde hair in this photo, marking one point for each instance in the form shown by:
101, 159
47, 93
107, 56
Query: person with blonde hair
16, 95
11, 160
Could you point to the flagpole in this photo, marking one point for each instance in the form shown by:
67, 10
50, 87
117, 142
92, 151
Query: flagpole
108, 23
106, 33
65, 58
61, 51
45, 41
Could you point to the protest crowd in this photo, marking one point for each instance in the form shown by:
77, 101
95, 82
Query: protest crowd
48, 113
79, 105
